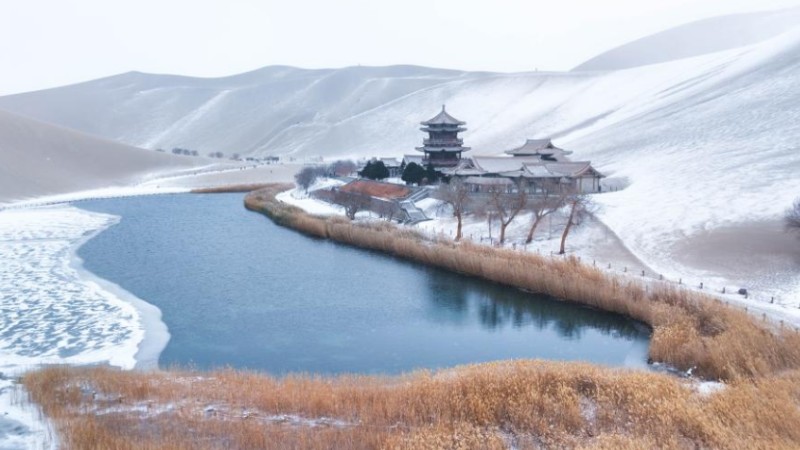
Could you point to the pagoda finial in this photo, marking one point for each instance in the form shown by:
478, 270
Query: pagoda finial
442, 107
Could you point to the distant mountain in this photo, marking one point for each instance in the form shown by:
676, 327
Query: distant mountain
39, 159
272, 110
696, 38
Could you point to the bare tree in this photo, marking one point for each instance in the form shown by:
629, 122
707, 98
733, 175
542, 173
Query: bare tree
542, 206
352, 202
342, 168
580, 207
505, 205
308, 175
792, 217
388, 210
456, 195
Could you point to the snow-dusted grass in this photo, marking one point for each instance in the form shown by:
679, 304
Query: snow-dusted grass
691, 330
21, 422
592, 242
508, 404
521, 404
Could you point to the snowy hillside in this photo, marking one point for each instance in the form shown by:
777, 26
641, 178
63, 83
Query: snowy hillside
696, 38
40, 159
718, 151
272, 110
706, 142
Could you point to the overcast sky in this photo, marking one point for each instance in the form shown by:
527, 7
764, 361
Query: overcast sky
46, 43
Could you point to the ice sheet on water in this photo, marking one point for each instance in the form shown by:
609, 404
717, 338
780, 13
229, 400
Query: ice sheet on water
48, 313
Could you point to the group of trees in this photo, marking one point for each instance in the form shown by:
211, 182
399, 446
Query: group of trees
500, 203
413, 173
352, 202
505, 205
309, 174
220, 155
182, 151
375, 170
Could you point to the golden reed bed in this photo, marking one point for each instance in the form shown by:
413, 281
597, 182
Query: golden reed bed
520, 404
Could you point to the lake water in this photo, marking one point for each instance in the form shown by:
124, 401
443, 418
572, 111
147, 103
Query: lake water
237, 290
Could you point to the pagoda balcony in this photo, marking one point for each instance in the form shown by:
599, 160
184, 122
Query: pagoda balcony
443, 142
441, 162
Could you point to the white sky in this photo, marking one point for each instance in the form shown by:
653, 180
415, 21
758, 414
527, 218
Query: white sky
46, 43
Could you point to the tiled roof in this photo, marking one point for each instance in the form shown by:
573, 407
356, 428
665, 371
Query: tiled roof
443, 119
538, 147
376, 189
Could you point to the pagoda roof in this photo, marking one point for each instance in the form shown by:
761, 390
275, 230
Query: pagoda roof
533, 147
463, 168
501, 164
443, 118
565, 169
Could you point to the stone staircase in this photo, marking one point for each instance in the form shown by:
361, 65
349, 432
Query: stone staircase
414, 214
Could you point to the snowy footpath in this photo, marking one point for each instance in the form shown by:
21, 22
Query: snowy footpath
54, 312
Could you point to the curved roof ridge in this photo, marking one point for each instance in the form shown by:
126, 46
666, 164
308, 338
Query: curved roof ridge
443, 118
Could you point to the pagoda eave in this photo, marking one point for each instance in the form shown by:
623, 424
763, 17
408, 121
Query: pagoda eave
454, 128
442, 149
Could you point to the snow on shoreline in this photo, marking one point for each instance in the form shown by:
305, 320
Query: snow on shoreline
52, 311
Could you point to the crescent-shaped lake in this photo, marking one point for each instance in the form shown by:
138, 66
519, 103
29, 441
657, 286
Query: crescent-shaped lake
236, 290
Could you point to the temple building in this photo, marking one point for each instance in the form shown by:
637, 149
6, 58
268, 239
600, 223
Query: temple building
540, 148
443, 147
537, 164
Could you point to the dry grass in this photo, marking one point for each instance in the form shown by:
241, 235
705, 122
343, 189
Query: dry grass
521, 404
230, 188
527, 404
690, 330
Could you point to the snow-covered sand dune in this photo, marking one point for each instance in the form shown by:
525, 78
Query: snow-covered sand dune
696, 38
38, 159
705, 143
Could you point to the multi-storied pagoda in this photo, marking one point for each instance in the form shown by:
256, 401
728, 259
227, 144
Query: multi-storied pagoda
443, 147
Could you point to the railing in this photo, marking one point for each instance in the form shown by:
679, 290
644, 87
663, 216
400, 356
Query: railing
443, 142
440, 162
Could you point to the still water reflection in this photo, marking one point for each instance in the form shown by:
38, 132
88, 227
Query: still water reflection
237, 290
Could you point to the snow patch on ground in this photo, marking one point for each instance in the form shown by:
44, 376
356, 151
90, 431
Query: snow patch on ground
21, 423
301, 199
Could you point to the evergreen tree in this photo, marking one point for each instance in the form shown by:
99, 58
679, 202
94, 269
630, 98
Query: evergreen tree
413, 173
375, 170
431, 174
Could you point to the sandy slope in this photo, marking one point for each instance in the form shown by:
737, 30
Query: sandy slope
40, 159
696, 38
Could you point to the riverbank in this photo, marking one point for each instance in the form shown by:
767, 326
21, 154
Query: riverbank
522, 404
691, 330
